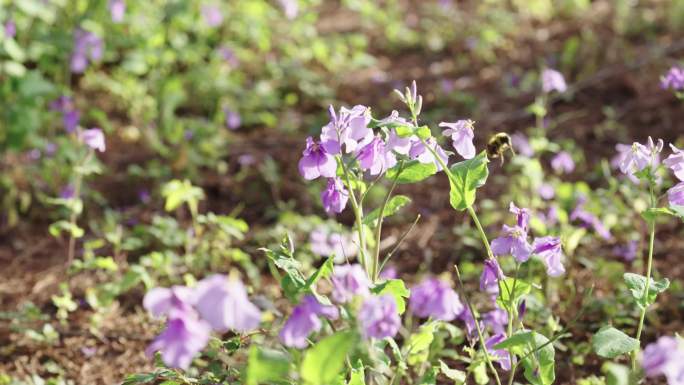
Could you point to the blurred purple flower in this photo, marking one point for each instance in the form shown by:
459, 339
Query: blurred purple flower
522, 309
665, 357
589, 220
627, 251
335, 196
673, 79
349, 281
491, 274
398, 144
375, 158
522, 216
88, 351
50, 148
378, 317
348, 128
434, 298
10, 29
676, 162
117, 10
316, 161
389, 272
424, 155
87, 47
233, 119
224, 304
144, 196
228, 54
160, 301
563, 163
461, 132
513, 241
212, 15
675, 195
497, 320
553, 80
325, 244
305, 320
67, 192
290, 8
522, 145
471, 327
501, 355
93, 138
246, 160
546, 191
640, 156
70, 115
447, 85
550, 251
185, 336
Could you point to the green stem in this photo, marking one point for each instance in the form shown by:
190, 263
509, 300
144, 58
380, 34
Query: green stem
378, 228
358, 214
511, 314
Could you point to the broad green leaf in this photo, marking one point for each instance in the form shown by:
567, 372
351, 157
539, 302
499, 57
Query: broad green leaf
177, 192
358, 374
609, 342
324, 361
466, 177
480, 373
419, 344
458, 376
652, 213
412, 172
506, 288
616, 374
324, 271
397, 289
637, 285
264, 365
429, 378
393, 205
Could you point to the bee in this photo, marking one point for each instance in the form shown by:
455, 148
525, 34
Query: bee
498, 144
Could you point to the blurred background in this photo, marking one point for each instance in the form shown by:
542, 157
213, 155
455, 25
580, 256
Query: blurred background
223, 93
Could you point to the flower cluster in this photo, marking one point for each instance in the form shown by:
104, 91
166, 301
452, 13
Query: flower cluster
673, 79
216, 303
665, 357
514, 241
87, 47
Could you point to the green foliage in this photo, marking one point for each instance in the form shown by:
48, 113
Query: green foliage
537, 354
265, 365
506, 288
418, 346
393, 205
397, 289
323, 362
637, 286
609, 342
466, 177
178, 192
412, 172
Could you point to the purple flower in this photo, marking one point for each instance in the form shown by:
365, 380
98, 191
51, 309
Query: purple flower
160, 301
549, 250
70, 115
232, 118
513, 241
674, 79
398, 144
228, 54
497, 320
379, 318
665, 357
375, 157
87, 47
434, 298
349, 281
424, 155
546, 191
212, 15
67, 192
675, 195
461, 132
553, 80
325, 243
628, 251
563, 163
316, 161
290, 8
589, 220
10, 29
224, 304
522, 216
93, 138
640, 156
676, 162
185, 336
349, 128
491, 274
471, 327
305, 320
522, 145
501, 355
335, 196
389, 272
117, 9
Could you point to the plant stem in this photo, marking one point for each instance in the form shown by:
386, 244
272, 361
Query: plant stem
378, 228
77, 195
358, 214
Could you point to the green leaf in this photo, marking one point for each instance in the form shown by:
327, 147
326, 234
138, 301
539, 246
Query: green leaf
506, 288
429, 378
616, 374
323, 272
397, 289
637, 285
412, 172
177, 192
423, 132
325, 360
419, 344
358, 375
609, 342
458, 376
393, 205
265, 365
540, 365
652, 213
465, 178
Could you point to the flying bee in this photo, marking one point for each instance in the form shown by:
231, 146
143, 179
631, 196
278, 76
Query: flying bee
498, 144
